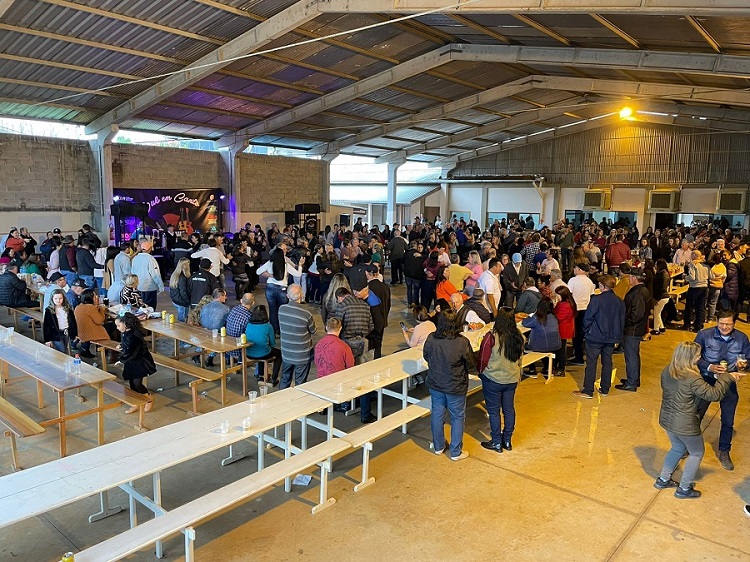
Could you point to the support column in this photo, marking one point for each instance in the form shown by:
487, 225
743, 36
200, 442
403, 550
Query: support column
391, 211
101, 147
556, 196
231, 207
325, 203
483, 206
445, 193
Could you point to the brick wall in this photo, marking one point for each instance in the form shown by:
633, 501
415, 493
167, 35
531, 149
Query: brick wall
41, 174
271, 184
152, 166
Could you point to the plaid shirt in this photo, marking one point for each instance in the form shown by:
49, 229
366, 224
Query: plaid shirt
355, 316
529, 252
237, 321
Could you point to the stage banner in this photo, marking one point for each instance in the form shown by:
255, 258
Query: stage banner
188, 209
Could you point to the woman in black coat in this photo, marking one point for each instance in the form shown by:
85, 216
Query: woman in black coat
59, 327
135, 357
660, 294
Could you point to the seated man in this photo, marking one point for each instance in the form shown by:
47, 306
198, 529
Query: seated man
333, 355
13, 290
214, 317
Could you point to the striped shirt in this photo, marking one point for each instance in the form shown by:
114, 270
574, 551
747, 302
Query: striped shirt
297, 326
355, 316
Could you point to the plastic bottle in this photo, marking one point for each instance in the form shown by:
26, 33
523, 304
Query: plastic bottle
77, 365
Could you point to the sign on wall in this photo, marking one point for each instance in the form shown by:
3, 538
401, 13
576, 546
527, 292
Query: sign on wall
188, 209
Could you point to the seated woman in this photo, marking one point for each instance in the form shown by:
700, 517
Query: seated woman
130, 295
545, 332
259, 332
31, 265
91, 318
529, 298
416, 336
59, 326
445, 288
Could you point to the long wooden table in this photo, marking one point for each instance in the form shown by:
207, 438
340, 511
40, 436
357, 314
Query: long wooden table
50, 372
200, 337
49, 486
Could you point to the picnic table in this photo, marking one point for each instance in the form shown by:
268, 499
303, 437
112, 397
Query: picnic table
48, 367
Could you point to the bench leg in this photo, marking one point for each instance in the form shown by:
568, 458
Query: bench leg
156, 480
141, 416
194, 393
223, 385
550, 376
189, 533
105, 510
366, 478
325, 501
233, 457
261, 451
13, 450
287, 452
33, 329
132, 506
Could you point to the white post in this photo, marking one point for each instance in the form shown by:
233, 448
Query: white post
101, 147
391, 210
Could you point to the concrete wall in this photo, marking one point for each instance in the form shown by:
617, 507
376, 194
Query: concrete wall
274, 184
139, 166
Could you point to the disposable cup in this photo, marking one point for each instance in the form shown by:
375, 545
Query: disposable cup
253, 396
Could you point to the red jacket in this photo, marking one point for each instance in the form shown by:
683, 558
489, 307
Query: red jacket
566, 320
617, 253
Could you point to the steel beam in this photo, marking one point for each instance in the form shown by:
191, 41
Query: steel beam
640, 7
260, 35
373, 83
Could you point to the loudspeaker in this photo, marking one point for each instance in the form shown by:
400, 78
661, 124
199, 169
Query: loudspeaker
128, 209
311, 225
344, 220
290, 217
307, 209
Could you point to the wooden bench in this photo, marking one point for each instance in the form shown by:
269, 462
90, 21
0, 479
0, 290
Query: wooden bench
36, 315
200, 374
184, 517
365, 436
126, 396
19, 425
677, 292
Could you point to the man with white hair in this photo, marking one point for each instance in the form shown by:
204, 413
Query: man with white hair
149, 275
297, 326
555, 281
464, 315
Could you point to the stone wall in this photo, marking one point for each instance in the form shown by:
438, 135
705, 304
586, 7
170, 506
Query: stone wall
172, 168
273, 184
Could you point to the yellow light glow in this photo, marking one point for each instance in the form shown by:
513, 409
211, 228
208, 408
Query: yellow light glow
626, 113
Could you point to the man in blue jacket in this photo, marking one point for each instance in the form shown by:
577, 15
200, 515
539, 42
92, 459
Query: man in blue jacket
721, 350
603, 326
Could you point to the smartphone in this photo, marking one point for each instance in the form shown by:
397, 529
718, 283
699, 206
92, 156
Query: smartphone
403, 326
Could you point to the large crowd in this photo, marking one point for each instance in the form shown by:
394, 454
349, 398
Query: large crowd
582, 292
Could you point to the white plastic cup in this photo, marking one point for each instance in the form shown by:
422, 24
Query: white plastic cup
214, 333
263, 390
252, 396
246, 422
358, 384
238, 341
376, 378
387, 374
37, 356
68, 367
340, 388
224, 427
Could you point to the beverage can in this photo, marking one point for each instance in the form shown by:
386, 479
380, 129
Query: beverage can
68, 557
243, 339
223, 331
171, 318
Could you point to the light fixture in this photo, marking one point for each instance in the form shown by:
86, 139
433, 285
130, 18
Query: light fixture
222, 197
116, 198
626, 113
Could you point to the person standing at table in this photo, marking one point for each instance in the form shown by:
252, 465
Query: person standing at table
135, 357
379, 307
500, 376
603, 324
722, 348
121, 268
59, 328
682, 389
581, 287
277, 271
297, 327
149, 275
637, 309
449, 357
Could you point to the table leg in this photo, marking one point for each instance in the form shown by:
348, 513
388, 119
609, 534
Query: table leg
189, 544
404, 399
40, 394
380, 403
261, 451
132, 505
105, 510
223, 379
303, 433
325, 501
177, 355
153, 341
157, 501
61, 415
287, 452
4, 373
100, 413
243, 358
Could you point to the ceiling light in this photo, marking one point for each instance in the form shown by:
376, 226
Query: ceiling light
626, 113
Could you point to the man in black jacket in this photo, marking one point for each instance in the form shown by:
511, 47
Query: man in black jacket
637, 309
13, 290
397, 250
413, 271
379, 310
476, 303
87, 264
202, 282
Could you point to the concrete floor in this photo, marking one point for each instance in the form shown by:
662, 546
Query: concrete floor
577, 485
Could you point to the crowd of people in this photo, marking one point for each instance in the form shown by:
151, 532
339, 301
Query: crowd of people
583, 292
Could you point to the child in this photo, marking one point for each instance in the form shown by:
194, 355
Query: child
135, 356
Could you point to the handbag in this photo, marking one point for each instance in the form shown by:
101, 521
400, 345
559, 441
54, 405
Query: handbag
485, 351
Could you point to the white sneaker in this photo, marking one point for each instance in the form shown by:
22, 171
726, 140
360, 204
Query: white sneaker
460, 457
440, 452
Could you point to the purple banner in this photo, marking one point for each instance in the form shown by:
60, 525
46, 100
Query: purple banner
188, 209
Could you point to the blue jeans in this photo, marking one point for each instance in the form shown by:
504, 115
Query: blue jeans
299, 372
455, 404
90, 281
728, 406
276, 296
412, 290
149, 297
693, 444
70, 276
593, 351
365, 405
497, 396
61, 345
631, 345
182, 312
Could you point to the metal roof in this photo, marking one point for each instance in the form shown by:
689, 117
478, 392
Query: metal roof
354, 77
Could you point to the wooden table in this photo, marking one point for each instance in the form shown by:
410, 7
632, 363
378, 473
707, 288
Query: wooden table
199, 337
50, 372
43, 488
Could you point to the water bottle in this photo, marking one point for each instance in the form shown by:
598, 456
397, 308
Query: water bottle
77, 365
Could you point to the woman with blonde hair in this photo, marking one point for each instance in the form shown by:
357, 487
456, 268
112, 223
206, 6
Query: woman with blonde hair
682, 386
179, 289
130, 295
475, 265
328, 303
